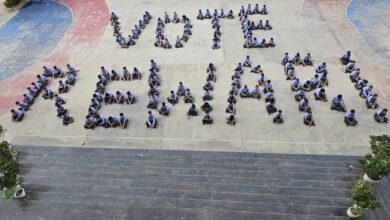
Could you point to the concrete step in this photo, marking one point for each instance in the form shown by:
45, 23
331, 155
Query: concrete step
95, 183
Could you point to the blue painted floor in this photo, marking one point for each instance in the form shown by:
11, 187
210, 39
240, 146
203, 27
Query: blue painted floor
31, 34
372, 20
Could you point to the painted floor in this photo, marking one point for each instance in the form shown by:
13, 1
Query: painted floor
319, 27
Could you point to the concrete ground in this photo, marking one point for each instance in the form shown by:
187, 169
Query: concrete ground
319, 27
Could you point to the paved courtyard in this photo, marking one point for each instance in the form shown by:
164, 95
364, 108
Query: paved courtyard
319, 27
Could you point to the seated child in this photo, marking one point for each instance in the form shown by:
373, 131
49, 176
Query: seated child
338, 103
163, 109
308, 119
123, 120
62, 87
307, 61
319, 94
270, 106
350, 118
151, 121
206, 107
371, 101
89, 123
181, 89
188, 97
192, 111
207, 119
278, 119
108, 98
245, 93
231, 119
380, 116
153, 102
173, 98
256, 93
17, 114
66, 120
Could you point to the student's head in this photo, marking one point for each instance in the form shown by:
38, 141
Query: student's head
348, 52
247, 56
102, 67
117, 92
12, 110
55, 67
180, 83
257, 86
56, 95
375, 95
339, 96
152, 61
371, 87
187, 89
149, 112
286, 53
44, 67
60, 81
322, 90
268, 81
280, 111
357, 69
324, 64
17, 103
308, 82
352, 110
163, 103
384, 110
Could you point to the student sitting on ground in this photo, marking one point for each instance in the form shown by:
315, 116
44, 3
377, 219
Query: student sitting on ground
70, 79
366, 91
256, 93
267, 25
58, 100
231, 119
215, 44
29, 99
269, 97
297, 59
319, 94
285, 59
315, 82
130, 98
114, 76
22, 105
295, 85
234, 89
61, 111
192, 111
236, 83
290, 74
231, 98
47, 72
152, 102
271, 42
207, 119
211, 76
371, 101
350, 67
119, 97
306, 85
153, 81
270, 106
268, 86
153, 90
200, 15
245, 93
166, 44
43, 80
66, 120
33, 91
361, 83
350, 118
345, 59
321, 68
108, 98
207, 96
57, 72
17, 114
123, 120
299, 95
308, 119
62, 87
89, 123
230, 14
151, 121
211, 67
166, 18
307, 61
176, 18
304, 105
178, 43
278, 119
380, 116
289, 66
173, 98
354, 75
264, 11
47, 93
239, 69
247, 62
338, 103
263, 43
181, 89
208, 86
206, 107
164, 109
231, 108
188, 97
207, 14
256, 69
126, 74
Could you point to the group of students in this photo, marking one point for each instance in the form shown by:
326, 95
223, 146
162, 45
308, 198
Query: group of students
255, 93
162, 41
41, 86
247, 26
94, 119
215, 23
136, 31
366, 90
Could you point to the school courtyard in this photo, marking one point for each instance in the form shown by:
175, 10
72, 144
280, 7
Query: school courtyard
253, 170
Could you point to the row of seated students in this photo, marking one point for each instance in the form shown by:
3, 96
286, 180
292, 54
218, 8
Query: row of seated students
40, 86
297, 59
256, 10
247, 25
162, 41
126, 42
366, 90
93, 119
221, 14
215, 24
207, 97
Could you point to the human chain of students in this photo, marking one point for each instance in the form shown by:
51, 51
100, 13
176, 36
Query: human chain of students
162, 41
93, 119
